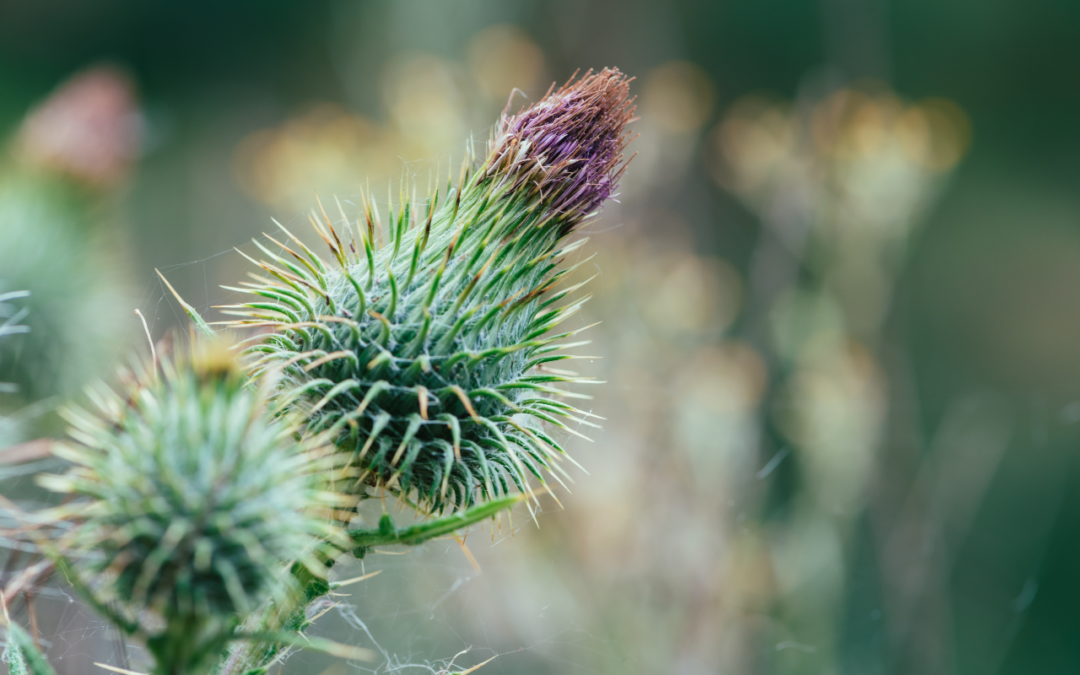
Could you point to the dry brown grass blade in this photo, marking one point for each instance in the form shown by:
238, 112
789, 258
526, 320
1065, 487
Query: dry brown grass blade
26, 452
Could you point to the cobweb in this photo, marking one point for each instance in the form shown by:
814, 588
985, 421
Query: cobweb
432, 610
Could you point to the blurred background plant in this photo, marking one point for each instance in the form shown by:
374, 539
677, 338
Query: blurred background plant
841, 326
59, 182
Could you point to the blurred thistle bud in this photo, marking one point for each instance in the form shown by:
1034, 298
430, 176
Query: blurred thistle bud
75, 316
427, 358
191, 500
89, 129
71, 152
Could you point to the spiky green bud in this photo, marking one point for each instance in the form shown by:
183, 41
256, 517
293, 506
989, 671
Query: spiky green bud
190, 498
428, 358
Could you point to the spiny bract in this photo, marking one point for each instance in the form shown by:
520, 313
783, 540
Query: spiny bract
193, 496
426, 358
10, 317
9, 325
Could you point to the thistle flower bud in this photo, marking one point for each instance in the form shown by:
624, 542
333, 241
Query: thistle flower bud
427, 359
568, 148
191, 499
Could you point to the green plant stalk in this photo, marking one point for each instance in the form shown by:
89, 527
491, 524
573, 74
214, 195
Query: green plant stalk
254, 658
23, 656
387, 534
182, 649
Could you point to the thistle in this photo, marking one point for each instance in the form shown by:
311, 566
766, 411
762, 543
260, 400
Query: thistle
191, 503
427, 358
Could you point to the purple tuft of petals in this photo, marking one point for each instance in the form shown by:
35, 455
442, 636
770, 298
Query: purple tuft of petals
568, 148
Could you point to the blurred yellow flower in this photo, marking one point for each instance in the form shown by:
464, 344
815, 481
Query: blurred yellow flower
503, 58
678, 96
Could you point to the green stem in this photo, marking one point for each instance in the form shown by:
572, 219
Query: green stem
252, 657
184, 649
23, 656
387, 534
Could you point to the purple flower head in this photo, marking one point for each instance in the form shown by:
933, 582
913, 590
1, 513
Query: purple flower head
568, 148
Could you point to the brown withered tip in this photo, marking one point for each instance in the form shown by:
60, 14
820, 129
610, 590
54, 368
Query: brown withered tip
88, 129
569, 146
